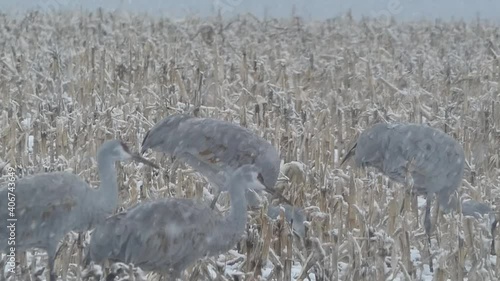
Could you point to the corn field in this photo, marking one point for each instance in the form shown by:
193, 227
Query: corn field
71, 80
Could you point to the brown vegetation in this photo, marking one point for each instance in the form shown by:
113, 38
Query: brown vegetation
73, 80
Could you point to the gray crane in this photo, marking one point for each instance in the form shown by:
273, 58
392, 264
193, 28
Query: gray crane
169, 234
49, 205
434, 159
215, 148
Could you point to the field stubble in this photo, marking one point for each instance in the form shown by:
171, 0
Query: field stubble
70, 80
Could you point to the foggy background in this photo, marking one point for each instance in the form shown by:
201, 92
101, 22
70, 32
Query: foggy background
312, 9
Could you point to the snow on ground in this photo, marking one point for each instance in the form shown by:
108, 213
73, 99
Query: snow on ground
296, 270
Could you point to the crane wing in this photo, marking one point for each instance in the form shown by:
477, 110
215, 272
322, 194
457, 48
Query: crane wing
214, 175
213, 146
161, 233
222, 143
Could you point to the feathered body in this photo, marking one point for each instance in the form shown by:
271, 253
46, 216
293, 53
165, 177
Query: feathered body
434, 159
167, 235
214, 148
47, 208
49, 205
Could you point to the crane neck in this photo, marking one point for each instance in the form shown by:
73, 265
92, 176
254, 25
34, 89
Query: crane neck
107, 194
232, 226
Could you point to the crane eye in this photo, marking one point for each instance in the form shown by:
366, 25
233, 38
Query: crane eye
260, 178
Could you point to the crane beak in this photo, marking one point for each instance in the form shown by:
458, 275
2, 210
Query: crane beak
143, 144
272, 191
261, 179
138, 158
349, 154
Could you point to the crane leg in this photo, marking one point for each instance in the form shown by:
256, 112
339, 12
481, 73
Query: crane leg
23, 265
111, 276
52, 274
216, 197
427, 220
79, 241
493, 228
2, 267
427, 225
79, 245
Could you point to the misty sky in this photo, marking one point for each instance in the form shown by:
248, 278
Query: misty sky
310, 9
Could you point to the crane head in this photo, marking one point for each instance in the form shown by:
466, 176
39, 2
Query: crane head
249, 175
370, 146
161, 133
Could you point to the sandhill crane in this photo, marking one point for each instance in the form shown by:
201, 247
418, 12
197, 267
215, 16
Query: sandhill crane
49, 205
433, 158
167, 235
215, 148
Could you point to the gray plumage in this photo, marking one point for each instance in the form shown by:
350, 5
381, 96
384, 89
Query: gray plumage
168, 235
474, 209
434, 160
214, 148
291, 214
49, 205
477, 209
